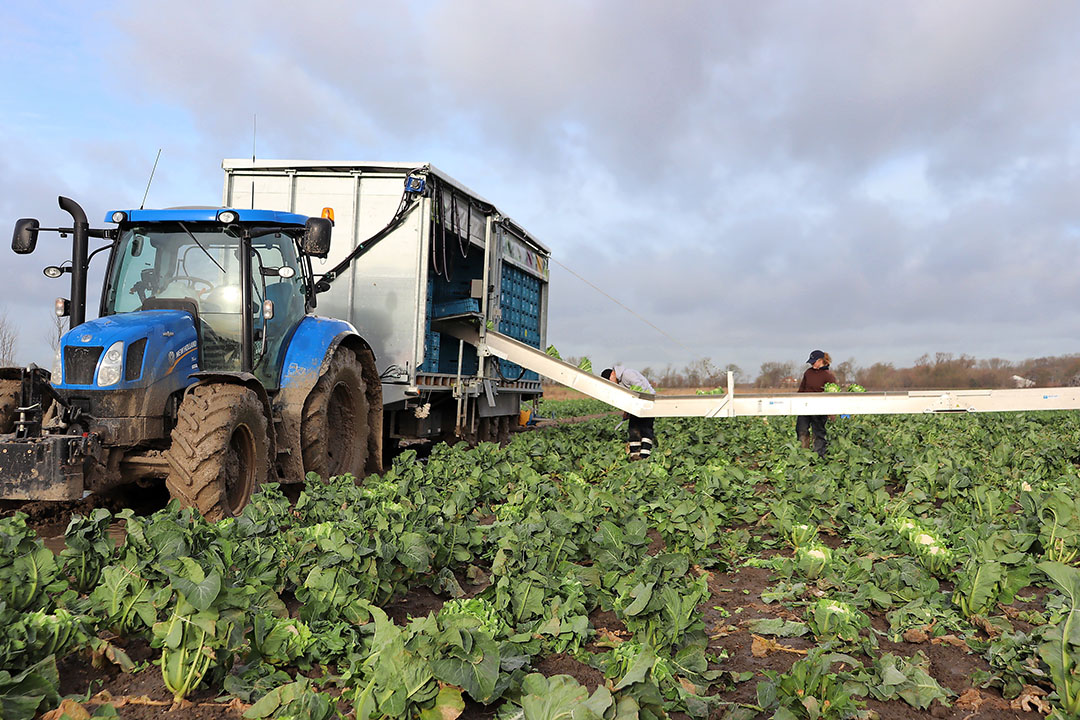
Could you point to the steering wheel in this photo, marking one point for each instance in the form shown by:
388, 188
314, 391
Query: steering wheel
192, 281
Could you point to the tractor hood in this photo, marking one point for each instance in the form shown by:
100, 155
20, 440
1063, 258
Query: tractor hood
129, 350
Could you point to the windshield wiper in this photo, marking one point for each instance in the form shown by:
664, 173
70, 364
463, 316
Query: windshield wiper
207, 252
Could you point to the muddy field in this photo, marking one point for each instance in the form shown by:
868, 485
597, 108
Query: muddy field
737, 597
734, 602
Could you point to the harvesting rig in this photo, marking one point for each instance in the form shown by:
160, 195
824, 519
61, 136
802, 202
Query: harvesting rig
208, 369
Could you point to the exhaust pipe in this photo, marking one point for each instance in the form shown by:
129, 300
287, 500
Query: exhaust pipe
79, 248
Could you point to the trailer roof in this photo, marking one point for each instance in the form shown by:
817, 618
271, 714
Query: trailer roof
342, 166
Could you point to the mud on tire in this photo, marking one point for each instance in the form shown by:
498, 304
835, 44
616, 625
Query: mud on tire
219, 450
9, 401
337, 427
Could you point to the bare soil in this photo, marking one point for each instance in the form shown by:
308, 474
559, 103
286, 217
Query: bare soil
736, 598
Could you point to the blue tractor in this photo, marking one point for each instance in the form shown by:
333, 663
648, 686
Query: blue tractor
206, 369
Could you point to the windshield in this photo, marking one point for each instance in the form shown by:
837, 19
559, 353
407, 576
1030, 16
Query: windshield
200, 263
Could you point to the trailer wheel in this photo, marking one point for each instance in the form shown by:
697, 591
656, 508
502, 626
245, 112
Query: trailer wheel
336, 424
9, 401
219, 450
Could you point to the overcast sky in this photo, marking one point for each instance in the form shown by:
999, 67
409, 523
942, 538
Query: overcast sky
880, 180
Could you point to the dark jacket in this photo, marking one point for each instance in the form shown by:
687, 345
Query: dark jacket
815, 380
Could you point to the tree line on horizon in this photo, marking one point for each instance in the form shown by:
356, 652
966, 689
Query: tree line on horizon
929, 372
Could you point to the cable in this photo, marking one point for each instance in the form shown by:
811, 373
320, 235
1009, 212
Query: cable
439, 238
455, 226
624, 307
468, 228
434, 239
498, 369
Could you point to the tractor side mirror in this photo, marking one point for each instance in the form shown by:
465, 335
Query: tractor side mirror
24, 240
316, 239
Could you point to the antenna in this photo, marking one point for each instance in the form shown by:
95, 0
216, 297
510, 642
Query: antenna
143, 203
254, 135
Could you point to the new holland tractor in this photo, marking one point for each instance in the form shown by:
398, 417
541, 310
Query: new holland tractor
206, 369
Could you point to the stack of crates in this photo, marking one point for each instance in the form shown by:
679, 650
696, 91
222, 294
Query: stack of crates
432, 339
449, 298
520, 306
520, 319
454, 298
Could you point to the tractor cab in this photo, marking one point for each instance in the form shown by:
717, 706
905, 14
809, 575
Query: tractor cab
212, 264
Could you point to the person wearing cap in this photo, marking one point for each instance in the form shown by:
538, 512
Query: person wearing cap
641, 437
816, 377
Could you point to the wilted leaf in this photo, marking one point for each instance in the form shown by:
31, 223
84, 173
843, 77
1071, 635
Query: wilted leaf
448, 705
950, 640
915, 635
69, 709
971, 699
985, 625
1031, 699
689, 686
761, 647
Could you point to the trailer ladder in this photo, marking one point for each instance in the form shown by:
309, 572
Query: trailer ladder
495, 344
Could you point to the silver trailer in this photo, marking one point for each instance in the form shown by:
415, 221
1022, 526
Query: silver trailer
454, 258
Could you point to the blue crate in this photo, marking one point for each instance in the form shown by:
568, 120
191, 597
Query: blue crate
448, 358
432, 341
447, 308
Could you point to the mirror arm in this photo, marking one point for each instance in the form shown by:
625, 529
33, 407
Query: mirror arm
103, 247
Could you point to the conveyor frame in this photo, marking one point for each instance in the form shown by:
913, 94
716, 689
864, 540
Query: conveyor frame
490, 343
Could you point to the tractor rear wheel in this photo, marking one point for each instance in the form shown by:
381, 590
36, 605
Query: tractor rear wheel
219, 451
9, 401
337, 424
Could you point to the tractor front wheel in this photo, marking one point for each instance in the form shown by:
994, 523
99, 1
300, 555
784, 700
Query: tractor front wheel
219, 451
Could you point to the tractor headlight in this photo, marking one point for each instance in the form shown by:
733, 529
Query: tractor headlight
109, 368
57, 367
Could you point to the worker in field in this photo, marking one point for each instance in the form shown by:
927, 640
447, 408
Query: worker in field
814, 380
641, 437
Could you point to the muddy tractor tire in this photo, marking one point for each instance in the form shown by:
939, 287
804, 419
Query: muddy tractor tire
336, 428
9, 401
220, 450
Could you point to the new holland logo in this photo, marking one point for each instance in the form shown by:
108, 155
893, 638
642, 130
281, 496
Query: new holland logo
86, 338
